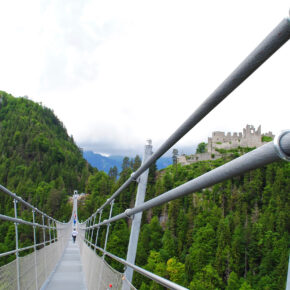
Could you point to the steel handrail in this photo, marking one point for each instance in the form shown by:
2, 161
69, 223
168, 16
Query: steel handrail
18, 198
261, 156
279, 36
21, 221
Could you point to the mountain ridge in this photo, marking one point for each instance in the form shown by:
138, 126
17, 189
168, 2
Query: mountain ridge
104, 163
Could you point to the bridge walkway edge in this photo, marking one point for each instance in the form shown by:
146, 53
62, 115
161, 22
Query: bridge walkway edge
68, 273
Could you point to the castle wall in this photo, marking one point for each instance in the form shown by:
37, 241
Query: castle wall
269, 134
182, 160
197, 157
249, 138
220, 140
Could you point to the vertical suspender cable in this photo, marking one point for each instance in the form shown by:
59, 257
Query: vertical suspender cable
108, 227
54, 230
105, 246
97, 235
49, 230
91, 240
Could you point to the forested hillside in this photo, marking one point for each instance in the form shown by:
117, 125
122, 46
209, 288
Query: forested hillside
38, 161
234, 235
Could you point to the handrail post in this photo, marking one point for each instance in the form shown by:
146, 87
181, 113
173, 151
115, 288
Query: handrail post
91, 262
54, 230
87, 232
93, 229
16, 244
44, 242
135, 228
91, 223
96, 240
108, 228
35, 257
105, 246
49, 230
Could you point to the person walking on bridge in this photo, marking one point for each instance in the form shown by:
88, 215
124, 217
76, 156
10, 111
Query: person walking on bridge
74, 235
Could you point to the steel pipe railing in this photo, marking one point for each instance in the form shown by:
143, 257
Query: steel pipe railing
266, 154
18, 198
21, 221
261, 156
279, 36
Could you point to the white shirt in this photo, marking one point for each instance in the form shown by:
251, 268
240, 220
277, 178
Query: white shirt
74, 233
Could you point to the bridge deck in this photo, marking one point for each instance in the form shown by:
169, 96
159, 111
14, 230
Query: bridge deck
69, 272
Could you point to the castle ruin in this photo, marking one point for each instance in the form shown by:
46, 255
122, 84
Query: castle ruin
220, 140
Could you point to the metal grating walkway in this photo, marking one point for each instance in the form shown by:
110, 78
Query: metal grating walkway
69, 271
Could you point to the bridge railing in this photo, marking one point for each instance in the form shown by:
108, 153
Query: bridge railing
49, 239
98, 273
263, 51
279, 149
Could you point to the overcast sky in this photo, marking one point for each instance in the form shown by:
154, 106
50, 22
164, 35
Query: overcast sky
119, 72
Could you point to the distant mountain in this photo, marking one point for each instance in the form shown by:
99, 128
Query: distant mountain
102, 162
105, 163
163, 162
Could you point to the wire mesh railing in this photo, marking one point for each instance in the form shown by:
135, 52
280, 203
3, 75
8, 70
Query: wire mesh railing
32, 270
98, 273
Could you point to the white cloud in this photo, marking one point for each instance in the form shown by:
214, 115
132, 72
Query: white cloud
119, 72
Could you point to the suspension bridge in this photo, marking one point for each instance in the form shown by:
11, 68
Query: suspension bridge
58, 263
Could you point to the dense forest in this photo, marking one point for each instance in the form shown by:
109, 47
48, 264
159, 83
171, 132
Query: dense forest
39, 162
234, 235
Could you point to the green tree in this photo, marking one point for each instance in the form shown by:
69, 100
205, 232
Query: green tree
206, 279
137, 163
168, 245
113, 173
156, 233
176, 271
246, 286
201, 148
157, 266
233, 282
202, 250
126, 163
